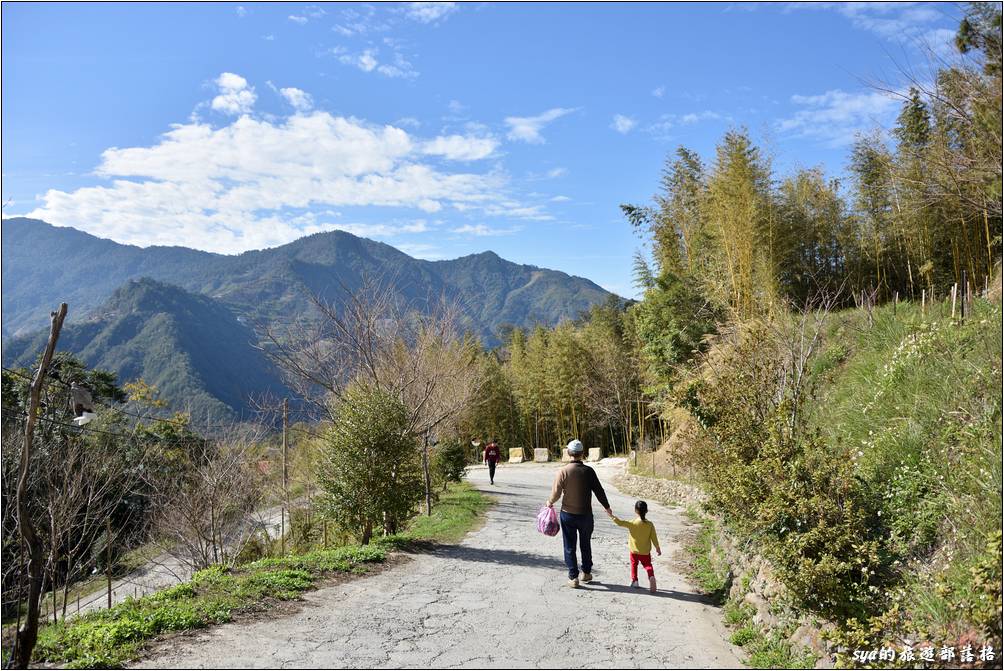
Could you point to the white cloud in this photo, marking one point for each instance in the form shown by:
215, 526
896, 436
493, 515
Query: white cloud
235, 96
241, 11
623, 124
911, 22
429, 12
383, 230
409, 121
659, 91
300, 100
836, 116
527, 129
268, 38
661, 128
421, 250
481, 230
695, 117
310, 12
560, 199
461, 147
368, 61
258, 183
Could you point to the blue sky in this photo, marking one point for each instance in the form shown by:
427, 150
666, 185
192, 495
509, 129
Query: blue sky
442, 129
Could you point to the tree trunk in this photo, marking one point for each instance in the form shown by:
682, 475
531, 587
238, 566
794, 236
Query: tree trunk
428, 476
367, 533
27, 635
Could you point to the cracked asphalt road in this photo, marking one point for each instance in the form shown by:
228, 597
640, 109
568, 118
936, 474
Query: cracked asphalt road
497, 600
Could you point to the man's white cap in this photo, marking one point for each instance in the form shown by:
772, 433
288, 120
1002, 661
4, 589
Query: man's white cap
575, 447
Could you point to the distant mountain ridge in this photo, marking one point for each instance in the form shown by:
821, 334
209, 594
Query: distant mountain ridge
192, 348
178, 317
45, 264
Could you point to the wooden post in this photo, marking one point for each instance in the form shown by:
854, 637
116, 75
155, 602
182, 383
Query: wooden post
78, 604
285, 490
108, 558
27, 634
965, 290
895, 301
955, 289
923, 302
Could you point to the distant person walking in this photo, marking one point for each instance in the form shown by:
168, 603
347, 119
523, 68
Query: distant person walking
492, 456
575, 484
641, 539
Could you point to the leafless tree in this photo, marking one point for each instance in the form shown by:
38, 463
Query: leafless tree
87, 482
205, 512
419, 357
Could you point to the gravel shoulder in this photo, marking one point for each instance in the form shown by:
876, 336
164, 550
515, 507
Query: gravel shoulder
496, 600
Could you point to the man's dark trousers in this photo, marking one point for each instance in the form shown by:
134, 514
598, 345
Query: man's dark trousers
581, 525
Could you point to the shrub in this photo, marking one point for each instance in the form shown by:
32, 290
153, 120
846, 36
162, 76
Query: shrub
370, 470
449, 462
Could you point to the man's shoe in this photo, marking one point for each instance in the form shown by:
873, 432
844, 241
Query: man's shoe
634, 583
574, 582
587, 577
651, 584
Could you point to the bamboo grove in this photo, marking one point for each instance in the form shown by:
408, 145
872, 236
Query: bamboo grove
731, 240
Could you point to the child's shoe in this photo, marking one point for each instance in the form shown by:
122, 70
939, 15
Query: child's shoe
634, 583
651, 584
573, 583
587, 577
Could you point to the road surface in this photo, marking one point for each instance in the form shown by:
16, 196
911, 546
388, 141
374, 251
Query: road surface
164, 570
498, 599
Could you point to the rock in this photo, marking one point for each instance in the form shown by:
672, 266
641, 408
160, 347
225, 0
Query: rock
763, 614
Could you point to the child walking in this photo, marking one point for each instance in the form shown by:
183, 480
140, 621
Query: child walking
641, 539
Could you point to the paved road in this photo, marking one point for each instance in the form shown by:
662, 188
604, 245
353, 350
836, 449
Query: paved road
157, 573
499, 599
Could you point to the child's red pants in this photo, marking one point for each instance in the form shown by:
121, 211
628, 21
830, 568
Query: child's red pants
644, 560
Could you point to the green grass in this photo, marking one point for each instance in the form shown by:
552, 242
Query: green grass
458, 511
111, 638
917, 400
708, 572
766, 650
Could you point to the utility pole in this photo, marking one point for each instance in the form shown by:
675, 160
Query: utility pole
285, 473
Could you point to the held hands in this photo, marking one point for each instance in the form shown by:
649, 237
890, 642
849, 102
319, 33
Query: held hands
658, 552
610, 513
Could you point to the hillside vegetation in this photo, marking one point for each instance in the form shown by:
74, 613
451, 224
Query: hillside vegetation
824, 359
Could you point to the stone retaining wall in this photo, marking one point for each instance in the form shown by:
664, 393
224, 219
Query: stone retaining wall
666, 492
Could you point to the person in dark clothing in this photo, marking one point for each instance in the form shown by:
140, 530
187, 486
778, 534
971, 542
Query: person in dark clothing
575, 484
492, 456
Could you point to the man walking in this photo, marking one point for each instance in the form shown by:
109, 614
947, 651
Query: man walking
575, 484
492, 456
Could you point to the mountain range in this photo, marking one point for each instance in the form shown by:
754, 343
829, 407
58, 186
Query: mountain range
177, 317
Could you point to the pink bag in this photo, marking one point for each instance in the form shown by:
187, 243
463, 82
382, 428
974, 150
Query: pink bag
547, 521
